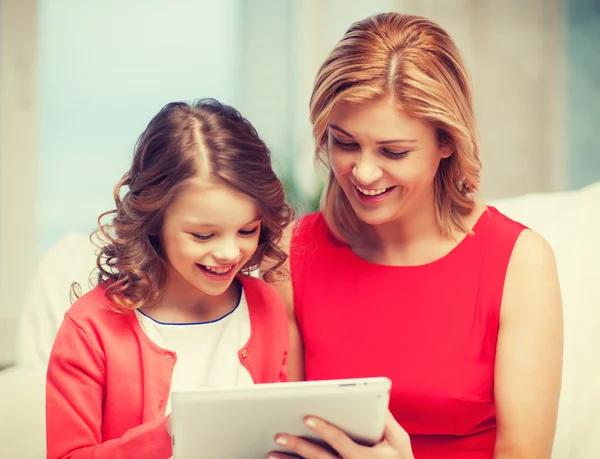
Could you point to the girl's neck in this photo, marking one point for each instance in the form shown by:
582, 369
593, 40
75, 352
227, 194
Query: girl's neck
181, 303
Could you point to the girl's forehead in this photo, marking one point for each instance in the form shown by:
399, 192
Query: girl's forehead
213, 203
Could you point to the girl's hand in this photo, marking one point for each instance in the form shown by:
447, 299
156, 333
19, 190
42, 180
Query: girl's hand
395, 443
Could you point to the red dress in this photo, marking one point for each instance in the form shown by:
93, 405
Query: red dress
432, 329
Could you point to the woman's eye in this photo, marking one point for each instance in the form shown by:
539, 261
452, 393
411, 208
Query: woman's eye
249, 232
202, 237
344, 145
395, 154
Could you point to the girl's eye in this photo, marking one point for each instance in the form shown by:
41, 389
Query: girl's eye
202, 237
248, 232
344, 145
395, 154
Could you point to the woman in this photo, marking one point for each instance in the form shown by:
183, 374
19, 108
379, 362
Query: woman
405, 274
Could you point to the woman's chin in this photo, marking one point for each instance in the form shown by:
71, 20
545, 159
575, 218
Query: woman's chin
375, 217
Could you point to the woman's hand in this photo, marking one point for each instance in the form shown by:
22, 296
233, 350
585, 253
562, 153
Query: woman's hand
395, 443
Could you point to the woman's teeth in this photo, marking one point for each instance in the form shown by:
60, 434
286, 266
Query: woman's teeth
372, 192
218, 270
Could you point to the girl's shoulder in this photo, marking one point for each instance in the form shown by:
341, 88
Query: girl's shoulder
267, 310
94, 310
259, 291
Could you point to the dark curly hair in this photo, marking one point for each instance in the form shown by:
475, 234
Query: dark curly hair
130, 259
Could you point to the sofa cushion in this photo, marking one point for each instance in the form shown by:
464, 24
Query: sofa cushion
570, 222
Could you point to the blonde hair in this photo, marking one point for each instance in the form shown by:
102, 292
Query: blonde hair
415, 61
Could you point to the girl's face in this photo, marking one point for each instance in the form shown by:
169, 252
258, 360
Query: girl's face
209, 233
384, 160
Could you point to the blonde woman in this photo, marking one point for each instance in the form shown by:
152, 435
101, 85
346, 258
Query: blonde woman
404, 273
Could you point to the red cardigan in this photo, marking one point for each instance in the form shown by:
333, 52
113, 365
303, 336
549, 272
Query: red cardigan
108, 383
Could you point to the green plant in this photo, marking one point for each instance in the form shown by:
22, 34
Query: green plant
302, 202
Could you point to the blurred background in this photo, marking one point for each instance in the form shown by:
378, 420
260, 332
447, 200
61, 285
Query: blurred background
80, 79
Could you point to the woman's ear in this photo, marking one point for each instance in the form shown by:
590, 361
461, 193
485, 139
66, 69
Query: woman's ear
446, 150
445, 144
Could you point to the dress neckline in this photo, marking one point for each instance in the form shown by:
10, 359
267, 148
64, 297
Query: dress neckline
459, 247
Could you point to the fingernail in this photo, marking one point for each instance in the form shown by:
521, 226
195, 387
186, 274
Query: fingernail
280, 441
310, 422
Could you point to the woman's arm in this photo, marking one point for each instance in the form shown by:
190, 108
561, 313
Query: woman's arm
74, 400
529, 353
295, 358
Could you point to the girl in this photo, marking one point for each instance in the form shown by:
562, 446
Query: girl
175, 307
405, 273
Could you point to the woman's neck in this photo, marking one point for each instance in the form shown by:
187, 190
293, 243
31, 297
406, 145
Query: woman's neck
414, 239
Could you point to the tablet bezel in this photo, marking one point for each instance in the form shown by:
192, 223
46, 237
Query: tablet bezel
358, 406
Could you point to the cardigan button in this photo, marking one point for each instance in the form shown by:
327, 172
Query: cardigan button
244, 353
169, 355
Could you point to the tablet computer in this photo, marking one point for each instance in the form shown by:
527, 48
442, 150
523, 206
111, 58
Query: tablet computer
241, 422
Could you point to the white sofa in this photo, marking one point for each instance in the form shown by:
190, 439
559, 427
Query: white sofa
568, 220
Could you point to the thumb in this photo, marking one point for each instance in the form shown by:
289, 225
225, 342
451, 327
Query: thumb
395, 435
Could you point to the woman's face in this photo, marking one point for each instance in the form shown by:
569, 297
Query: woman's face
384, 160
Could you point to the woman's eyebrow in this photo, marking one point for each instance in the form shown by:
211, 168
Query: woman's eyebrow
381, 142
337, 128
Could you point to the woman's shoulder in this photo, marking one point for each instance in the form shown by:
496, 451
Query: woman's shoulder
311, 231
307, 224
498, 227
501, 220
519, 244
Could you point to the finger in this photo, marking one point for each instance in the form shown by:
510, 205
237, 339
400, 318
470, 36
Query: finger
304, 448
273, 455
394, 434
335, 437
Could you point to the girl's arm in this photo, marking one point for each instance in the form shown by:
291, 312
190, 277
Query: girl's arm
529, 352
74, 405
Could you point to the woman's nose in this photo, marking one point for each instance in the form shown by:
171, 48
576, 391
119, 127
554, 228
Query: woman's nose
366, 171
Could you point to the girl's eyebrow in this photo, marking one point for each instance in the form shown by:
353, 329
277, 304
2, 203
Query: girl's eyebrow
212, 225
381, 142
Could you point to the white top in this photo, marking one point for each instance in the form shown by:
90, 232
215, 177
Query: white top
207, 352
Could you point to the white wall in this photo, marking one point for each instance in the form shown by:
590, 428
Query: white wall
18, 141
80, 79
105, 68
515, 53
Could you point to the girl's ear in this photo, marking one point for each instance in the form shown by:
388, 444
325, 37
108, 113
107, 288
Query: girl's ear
155, 242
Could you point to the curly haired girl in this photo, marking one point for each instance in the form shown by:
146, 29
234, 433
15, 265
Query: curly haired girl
175, 306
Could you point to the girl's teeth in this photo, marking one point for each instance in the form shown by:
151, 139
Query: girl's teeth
371, 192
